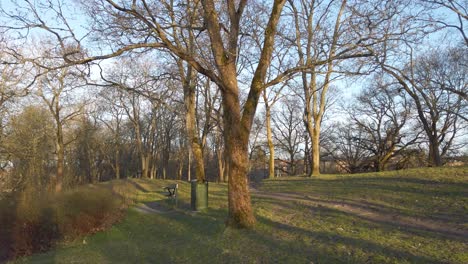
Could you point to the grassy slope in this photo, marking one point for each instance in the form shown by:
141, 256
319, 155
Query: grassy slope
290, 231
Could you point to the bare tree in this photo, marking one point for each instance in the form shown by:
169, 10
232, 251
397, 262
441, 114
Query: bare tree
55, 88
111, 114
29, 142
425, 79
348, 153
86, 158
458, 8
270, 97
288, 132
339, 34
381, 113
142, 90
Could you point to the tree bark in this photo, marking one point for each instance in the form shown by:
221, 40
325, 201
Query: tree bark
221, 164
60, 161
180, 169
189, 167
316, 150
240, 209
196, 147
60, 148
271, 146
117, 164
435, 159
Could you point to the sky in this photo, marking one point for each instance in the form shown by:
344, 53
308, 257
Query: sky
78, 22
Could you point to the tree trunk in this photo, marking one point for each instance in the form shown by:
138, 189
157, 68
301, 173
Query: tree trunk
237, 123
180, 169
192, 134
292, 164
144, 166
190, 120
240, 210
307, 156
199, 163
236, 150
189, 167
271, 146
226, 169
220, 166
435, 159
60, 157
117, 164
153, 170
315, 151
60, 166
382, 161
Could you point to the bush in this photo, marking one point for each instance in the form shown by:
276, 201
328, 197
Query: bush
86, 211
31, 222
6, 221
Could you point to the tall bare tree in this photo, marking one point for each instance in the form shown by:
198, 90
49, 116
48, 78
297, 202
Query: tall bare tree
382, 114
347, 152
451, 14
288, 132
111, 114
426, 79
55, 89
29, 141
270, 97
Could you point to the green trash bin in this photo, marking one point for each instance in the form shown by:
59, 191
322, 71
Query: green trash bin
199, 195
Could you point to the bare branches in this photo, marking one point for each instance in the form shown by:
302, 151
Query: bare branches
457, 7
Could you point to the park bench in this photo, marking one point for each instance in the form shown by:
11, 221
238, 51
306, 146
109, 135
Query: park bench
172, 190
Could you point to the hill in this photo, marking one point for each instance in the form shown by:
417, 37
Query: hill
410, 216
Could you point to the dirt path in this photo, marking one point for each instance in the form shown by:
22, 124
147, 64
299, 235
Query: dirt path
152, 208
372, 213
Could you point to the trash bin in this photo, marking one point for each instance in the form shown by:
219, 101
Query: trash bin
199, 195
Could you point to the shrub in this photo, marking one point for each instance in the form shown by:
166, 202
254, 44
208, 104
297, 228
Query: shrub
86, 211
31, 222
6, 222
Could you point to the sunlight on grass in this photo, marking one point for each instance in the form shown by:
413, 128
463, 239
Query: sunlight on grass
288, 231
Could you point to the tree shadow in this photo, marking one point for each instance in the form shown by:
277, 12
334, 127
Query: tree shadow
203, 237
138, 186
404, 191
388, 222
330, 239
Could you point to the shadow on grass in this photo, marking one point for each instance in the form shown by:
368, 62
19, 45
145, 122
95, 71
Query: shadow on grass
415, 197
385, 223
183, 237
330, 240
138, 186
381, 208
203, 238
396, 184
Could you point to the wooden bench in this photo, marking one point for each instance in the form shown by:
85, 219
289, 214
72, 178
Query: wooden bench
172, 190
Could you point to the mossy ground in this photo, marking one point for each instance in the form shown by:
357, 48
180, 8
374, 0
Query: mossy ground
289, 231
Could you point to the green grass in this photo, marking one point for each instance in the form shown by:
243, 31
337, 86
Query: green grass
289, 231
436, 193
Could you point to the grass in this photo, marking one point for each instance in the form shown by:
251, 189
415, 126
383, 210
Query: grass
436, 193
289, 231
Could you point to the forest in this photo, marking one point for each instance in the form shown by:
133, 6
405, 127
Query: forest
228, 91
